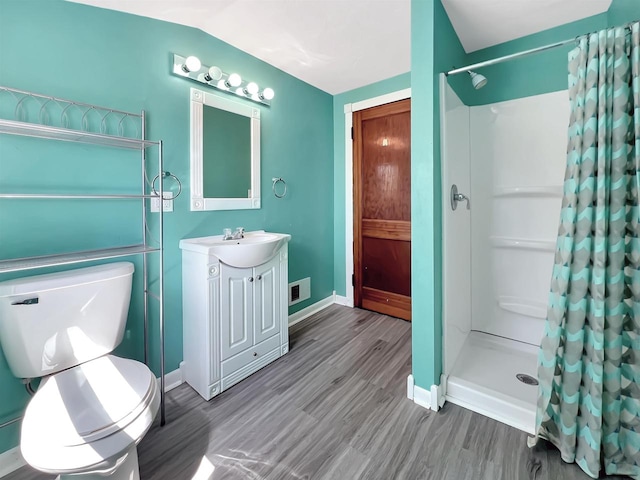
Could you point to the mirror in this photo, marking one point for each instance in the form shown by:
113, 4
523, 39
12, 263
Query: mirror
225, 153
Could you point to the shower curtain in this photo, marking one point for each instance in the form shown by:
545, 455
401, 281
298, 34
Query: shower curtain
589, 362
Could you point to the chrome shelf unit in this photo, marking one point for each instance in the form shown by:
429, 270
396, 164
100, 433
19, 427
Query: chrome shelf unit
52, 118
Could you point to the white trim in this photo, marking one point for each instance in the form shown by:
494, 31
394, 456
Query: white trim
422, 397
381, 100
348, 207
172, 379
198, 202
510, 411
437, 397
410, 386
10, 461
344, 301
311, 309
432, 399
349, 108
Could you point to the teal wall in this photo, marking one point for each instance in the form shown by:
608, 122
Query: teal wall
123, 61
393, 84
435, 48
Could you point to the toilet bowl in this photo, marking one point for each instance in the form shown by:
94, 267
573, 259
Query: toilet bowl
91, 408
87, 418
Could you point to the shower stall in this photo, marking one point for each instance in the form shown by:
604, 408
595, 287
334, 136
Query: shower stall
508, 159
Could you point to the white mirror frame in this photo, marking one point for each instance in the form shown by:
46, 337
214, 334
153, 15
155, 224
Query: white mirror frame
198, 202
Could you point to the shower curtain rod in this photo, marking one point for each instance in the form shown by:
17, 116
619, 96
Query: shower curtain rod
524, 53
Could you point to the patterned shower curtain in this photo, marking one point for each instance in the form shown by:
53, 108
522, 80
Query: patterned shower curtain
589, 362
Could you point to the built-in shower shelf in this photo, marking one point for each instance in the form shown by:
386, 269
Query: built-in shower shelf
553, 191
524, 244
523, 306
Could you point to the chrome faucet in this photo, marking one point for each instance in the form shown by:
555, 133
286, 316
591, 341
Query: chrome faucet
226, 234
239, 233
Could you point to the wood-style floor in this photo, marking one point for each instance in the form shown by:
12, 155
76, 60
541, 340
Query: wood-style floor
334, 407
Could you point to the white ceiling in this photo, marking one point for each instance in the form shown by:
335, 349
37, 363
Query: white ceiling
339, 45
484, 23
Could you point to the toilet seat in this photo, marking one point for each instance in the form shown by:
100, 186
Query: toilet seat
88, 416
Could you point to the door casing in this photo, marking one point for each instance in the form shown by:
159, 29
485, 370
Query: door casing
349, 108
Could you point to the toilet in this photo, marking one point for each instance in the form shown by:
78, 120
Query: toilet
91, 408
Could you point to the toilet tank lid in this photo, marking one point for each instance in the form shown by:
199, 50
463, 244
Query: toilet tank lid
52, 281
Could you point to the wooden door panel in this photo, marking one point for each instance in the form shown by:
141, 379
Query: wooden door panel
382, 208
386, 265
387, 303
390, 229
386, 172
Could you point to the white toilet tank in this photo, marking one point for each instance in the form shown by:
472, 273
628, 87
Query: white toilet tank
56, 321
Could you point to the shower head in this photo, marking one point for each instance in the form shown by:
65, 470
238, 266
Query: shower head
477, 80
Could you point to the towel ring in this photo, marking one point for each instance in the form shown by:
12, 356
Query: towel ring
166, 174
275, 181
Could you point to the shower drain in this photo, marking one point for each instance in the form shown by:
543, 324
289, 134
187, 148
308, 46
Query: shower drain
527, 379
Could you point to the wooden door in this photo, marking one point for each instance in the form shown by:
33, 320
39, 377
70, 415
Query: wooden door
382, 208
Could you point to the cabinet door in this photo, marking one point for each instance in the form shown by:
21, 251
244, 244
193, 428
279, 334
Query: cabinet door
267, 302
236, 310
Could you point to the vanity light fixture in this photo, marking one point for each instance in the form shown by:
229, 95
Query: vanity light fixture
234, 80
213, 76
251, 88
267, 93
191, 64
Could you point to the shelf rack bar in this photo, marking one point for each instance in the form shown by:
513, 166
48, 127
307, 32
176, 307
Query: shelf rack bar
161, 288
29, 263
10, 422
71, 197
145, 266
13, 127
64, 100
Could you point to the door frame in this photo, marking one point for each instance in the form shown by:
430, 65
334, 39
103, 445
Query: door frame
349, 108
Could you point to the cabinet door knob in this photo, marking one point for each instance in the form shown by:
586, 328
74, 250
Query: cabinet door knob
255, 354
251, 279
259, 277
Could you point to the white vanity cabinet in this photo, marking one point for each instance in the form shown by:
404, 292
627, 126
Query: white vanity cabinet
235, 319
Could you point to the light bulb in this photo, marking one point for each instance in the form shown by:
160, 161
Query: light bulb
214, 74
222, 85
240, 91
234, 80
268, 93
192, 64
252, 88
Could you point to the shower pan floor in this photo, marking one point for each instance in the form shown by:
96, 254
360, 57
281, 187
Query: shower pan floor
483, 379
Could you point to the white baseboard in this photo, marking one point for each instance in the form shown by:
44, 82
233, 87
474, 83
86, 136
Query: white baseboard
311, 309
10, 461
172, 379
431, 399
344, 301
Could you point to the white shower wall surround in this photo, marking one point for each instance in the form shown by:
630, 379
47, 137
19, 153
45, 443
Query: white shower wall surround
510, 158
517, 163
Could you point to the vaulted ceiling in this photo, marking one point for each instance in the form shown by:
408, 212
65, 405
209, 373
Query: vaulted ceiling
339, 45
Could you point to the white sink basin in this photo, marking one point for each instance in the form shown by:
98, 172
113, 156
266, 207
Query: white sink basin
254, 249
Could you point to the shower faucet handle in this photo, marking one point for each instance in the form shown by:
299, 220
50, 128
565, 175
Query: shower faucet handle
458, 197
